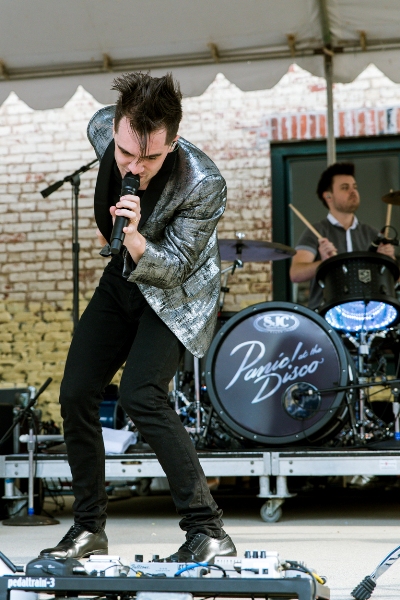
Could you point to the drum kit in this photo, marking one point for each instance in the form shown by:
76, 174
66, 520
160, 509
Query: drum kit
279, 374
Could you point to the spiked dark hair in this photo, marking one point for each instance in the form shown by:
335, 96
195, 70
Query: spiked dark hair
325, 182
150, 104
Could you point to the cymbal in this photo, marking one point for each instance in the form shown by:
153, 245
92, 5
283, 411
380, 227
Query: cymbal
392, 198
253, 250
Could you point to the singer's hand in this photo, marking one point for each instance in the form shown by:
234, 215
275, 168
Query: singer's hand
101, 238
129, 207
386, 249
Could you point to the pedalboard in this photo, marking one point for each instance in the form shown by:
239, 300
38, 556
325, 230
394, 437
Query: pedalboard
258, 574
260, 564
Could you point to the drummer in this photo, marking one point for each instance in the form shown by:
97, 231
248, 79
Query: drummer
341, 230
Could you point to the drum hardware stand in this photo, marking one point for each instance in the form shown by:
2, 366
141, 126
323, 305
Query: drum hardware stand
196, 361
353, 420
395, 389
237, 264
363, 346
179, 397
239, 235
363, 350
207, 425
197, 394
177, 394
174, 392
27, 412
361, 409
396, 413
394, 384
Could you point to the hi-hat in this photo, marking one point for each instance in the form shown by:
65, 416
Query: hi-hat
392, 198
253, 250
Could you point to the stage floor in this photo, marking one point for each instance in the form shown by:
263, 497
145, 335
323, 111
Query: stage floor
340, 533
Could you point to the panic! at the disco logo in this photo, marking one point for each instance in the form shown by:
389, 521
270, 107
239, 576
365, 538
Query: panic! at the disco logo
276, 322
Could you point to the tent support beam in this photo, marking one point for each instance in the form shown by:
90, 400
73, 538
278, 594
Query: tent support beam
302, 50
328, 65
330, 138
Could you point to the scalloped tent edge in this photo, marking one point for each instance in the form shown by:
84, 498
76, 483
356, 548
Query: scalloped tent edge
57, 46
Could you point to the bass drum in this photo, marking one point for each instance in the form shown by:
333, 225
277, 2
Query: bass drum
265, 368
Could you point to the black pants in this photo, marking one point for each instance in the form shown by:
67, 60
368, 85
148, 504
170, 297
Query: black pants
117, 326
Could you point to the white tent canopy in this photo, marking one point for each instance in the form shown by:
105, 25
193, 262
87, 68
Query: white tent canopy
49, 47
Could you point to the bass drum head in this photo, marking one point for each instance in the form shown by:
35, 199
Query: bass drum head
265, 367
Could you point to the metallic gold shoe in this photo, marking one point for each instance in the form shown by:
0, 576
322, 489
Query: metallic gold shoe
202, 548
79, 543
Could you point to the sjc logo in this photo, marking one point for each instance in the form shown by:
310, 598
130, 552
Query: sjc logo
276, 322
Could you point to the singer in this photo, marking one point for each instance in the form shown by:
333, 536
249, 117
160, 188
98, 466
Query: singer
341, 230
157, 296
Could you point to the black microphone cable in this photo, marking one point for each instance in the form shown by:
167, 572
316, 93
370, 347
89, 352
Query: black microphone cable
130, 185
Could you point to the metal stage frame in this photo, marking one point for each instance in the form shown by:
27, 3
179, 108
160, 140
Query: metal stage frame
273, 468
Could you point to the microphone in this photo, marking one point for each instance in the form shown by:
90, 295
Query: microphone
301, 400
130, 185
382, 239
375, 243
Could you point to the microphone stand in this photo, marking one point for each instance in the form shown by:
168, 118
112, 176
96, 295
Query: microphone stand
75, 181
30, 518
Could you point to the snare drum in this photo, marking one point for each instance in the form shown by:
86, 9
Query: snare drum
359, 291
265, 368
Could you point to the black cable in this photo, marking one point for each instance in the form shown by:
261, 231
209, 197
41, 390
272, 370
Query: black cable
14, 514
296, 566
8, 562
57, 498
220, 568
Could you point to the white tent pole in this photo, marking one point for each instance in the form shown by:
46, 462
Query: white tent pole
330, 139
328, 64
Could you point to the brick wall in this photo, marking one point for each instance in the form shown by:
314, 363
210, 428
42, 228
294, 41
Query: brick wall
235, 128
36, 149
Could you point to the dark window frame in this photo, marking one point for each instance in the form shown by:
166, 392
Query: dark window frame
282, 153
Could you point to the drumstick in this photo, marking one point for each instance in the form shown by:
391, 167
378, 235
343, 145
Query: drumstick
306, 223
388, 215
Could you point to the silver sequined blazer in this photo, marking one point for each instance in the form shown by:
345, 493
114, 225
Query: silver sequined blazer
179, 272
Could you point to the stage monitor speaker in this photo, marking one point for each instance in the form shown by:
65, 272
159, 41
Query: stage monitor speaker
6, 419
15, 396
9, 398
